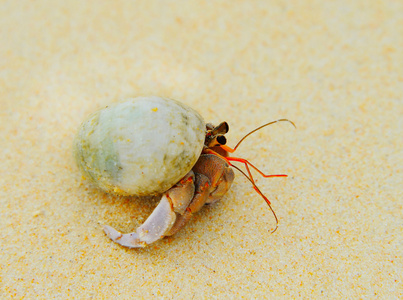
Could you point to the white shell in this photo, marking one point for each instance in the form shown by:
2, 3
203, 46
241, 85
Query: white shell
142, 146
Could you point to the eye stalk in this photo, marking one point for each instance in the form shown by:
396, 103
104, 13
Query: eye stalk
222, 128
215, 135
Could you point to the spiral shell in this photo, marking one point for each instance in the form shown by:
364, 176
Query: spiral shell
142, 146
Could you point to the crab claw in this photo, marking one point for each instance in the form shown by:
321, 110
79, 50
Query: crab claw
212, 180
153, 229
173, 203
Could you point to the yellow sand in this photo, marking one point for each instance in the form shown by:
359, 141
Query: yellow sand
333, 67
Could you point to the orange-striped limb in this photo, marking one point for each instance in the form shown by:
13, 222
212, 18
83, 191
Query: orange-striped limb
216, 144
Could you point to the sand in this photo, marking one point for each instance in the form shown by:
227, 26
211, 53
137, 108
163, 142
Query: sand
334, 68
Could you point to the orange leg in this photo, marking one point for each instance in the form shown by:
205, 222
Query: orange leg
250, 177
246, 162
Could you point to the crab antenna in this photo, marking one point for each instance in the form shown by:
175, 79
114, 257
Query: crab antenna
260, 127
260, 193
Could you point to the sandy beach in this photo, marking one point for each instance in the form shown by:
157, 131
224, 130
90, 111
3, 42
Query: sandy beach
334, 68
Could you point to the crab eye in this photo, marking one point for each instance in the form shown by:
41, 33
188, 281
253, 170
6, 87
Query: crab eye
224, 127
222, 140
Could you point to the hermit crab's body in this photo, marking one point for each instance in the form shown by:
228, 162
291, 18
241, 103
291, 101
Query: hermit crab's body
151, 145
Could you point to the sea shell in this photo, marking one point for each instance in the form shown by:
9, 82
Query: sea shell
142, 146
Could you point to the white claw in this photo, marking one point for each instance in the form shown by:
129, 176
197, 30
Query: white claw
154, 228
130, 240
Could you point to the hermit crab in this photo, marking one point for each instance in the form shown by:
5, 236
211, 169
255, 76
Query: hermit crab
158, 146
